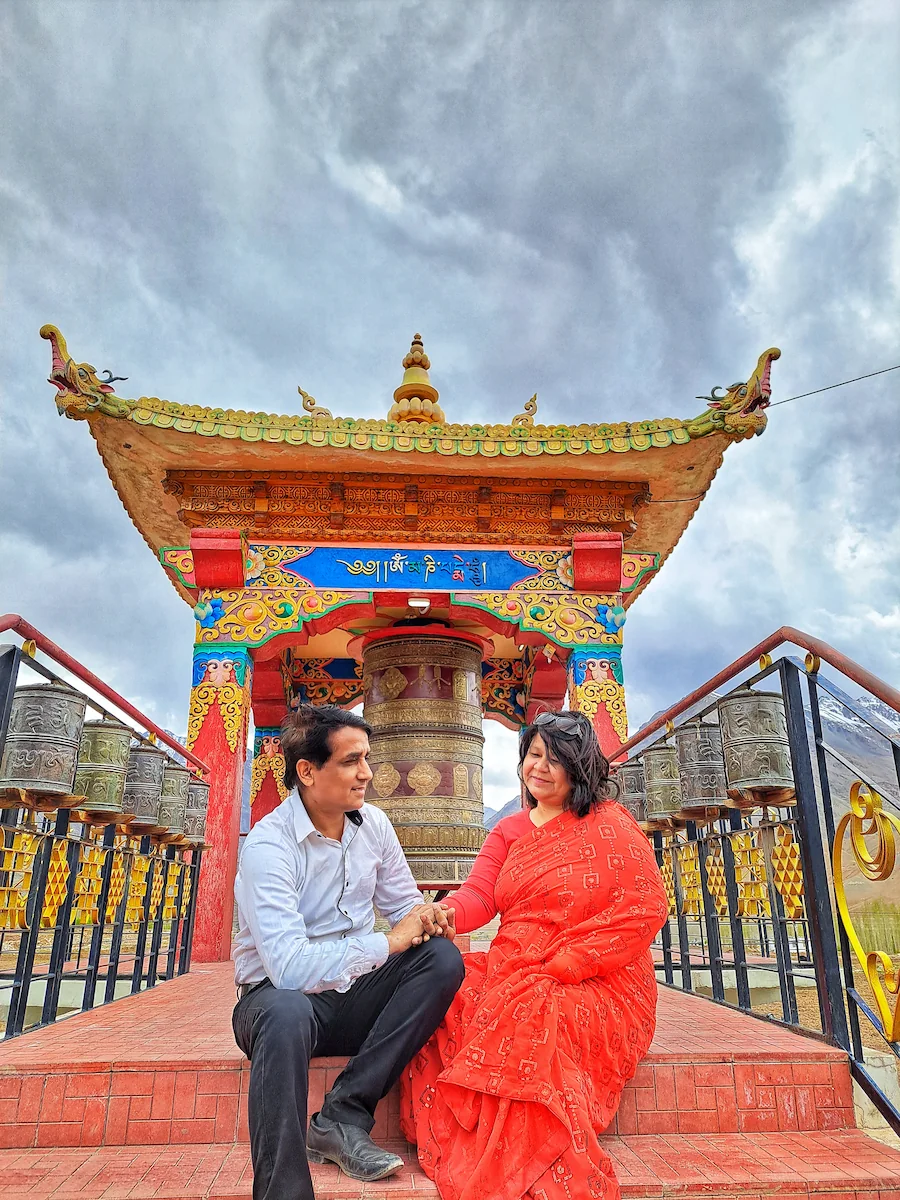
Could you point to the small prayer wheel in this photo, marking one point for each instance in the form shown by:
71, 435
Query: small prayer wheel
173, 802
102, 763
757, 752
701, 769
195, 814
630, 778
662, 788
42, 740
143, 785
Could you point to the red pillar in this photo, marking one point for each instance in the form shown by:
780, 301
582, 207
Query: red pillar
217, 733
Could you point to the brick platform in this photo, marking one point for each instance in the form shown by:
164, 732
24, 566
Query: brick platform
147, 1098
162, 1067
837, 1166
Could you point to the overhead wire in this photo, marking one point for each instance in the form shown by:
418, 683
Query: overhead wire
801, 396
832, 386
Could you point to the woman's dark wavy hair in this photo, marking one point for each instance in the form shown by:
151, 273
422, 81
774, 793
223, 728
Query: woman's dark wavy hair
581, 758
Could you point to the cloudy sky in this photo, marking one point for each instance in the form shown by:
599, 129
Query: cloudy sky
617, 205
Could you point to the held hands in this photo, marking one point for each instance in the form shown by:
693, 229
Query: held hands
421, 923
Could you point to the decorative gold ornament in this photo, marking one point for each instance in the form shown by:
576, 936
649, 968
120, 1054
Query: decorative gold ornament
424, 712
460, 781
476, 783
250, 616
85, 905
57, 883
264, 765
423, 778
689, 871
386, 779
715, 878
18, 865
867, 819
116, 882
231, 700
667, 870
750, 874
392, 683
566, 618
787, 871
588, 696
137, 889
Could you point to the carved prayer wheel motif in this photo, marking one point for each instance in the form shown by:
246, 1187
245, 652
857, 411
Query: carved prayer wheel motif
702, 770
195, 813
757, 752
102, 763
630, 778
173, 802
423, 699
41, 751
143, 785
662, 789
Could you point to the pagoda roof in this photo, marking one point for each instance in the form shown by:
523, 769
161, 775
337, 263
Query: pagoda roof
144, 441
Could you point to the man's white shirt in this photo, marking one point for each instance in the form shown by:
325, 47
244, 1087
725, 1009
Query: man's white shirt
305, 902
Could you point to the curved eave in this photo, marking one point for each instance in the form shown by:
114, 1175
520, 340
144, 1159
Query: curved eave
678, 468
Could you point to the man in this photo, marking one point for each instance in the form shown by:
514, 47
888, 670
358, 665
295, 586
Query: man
313, 977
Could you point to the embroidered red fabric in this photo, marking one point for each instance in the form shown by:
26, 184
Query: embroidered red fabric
507, 1098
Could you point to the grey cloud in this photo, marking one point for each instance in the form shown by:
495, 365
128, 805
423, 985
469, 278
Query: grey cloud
234, 199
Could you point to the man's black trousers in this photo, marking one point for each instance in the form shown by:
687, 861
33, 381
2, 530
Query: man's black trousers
382, 1021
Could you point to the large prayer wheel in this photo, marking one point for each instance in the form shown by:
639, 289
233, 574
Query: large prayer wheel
701, 769
102, 765
662, 786
630, 778
143, 785
41, 752
757, 752
423, 700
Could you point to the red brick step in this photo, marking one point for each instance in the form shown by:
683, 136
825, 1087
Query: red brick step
162, 1068
845, 1165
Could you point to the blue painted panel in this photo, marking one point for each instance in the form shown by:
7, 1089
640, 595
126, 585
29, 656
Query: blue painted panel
409, 570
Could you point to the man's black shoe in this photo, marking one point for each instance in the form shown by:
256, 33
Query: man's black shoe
351, 1148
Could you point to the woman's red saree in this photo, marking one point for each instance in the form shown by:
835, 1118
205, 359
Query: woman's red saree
508, 1097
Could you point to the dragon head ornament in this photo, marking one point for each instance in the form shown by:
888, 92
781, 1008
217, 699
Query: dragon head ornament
79, 389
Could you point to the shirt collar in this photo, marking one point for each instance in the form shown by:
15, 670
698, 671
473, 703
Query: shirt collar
303, 826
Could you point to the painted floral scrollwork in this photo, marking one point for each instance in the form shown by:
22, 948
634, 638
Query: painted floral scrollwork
866, 820
588, 696
230, 698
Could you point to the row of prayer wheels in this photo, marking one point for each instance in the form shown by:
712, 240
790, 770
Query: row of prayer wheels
742, 762
52, 752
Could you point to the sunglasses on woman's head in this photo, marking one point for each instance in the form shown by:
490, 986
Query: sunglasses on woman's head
566, 725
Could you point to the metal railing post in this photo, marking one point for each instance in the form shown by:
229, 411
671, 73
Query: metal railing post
716, 979
829, 981
95, 951
9, 670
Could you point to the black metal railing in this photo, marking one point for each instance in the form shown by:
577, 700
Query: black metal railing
89, 912
791, 910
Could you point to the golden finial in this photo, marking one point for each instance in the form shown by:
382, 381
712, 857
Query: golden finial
416, 399
527, 417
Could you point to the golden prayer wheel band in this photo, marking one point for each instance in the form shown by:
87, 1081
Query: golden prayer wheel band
423, 699
430, 809
441, 747
425, 713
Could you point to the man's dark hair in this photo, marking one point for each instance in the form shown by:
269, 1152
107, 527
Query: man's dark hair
570, 738
306, 733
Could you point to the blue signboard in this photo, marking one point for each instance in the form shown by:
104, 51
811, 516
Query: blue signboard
422, 570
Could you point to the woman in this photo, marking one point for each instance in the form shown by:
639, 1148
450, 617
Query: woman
507, 1099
